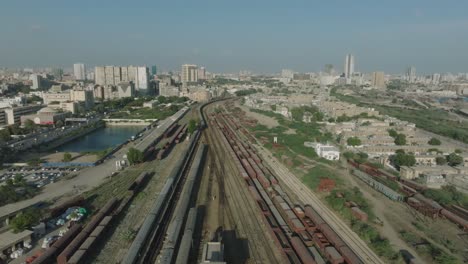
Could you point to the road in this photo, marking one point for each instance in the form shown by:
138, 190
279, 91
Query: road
87, 178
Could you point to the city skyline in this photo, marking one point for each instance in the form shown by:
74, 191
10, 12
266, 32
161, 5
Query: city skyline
386, 37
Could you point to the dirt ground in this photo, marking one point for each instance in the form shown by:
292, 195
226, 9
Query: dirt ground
269, 122
76, 157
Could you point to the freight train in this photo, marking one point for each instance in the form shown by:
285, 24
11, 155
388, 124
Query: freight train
415, 199
297, 232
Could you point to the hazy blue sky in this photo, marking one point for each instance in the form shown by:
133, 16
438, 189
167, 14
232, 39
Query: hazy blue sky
263, 36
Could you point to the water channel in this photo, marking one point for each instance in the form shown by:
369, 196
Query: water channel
100, 139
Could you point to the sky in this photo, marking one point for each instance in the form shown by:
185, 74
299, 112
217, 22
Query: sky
228, 36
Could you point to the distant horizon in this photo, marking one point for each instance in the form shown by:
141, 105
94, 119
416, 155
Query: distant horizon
260, 36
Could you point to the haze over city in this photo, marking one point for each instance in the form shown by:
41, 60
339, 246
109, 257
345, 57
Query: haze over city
228, 36
180, 132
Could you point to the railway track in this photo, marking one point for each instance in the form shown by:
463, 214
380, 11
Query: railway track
147, 245
238, 204
308, 197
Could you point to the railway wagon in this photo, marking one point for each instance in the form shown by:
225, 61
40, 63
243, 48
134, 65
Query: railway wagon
58, 246
462, 223
301, 250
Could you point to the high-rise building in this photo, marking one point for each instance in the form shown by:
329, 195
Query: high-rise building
435, 79
349, 66
36, 81
113, 75
202, 73
411, 74
154, 70
142, 78
189, 73
57, 73
79, 71
378, 80
100, 75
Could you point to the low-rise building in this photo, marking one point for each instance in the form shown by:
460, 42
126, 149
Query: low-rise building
13, 114
46, 116
434, 180
325, 151
414, 172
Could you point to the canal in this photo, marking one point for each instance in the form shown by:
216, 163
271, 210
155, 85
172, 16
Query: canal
100, 139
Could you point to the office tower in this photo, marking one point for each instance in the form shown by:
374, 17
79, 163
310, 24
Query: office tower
36, 81
154, 70
411, 74
100, 75
142, 78
349, 66
79, 71
378, 80
435, 79
189, 73
57, 73
202, 73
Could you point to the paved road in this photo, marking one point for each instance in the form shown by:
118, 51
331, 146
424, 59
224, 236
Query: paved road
87, 178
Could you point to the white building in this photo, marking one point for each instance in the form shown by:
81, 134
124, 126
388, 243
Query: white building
79, 71
349, 66
189, 73
36, 81
202, 73
328, 152
113, 75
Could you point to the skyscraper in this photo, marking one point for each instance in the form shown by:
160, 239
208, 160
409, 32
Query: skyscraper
349, 66
411, 74
36, 81
378, 80
189, 73
79, 71
202, 73
154, 70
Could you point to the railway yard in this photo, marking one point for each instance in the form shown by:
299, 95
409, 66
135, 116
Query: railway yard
219, 185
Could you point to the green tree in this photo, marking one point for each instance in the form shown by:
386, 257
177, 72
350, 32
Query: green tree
353, 141
273, 107
297, 113
134, 156
59, 123
402, 159
392, 133
30, 125
192, 126
400, 139
67, 157
5, 135
25, 220
361, 157
441, 160
162, 99
454, 159
434, 142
